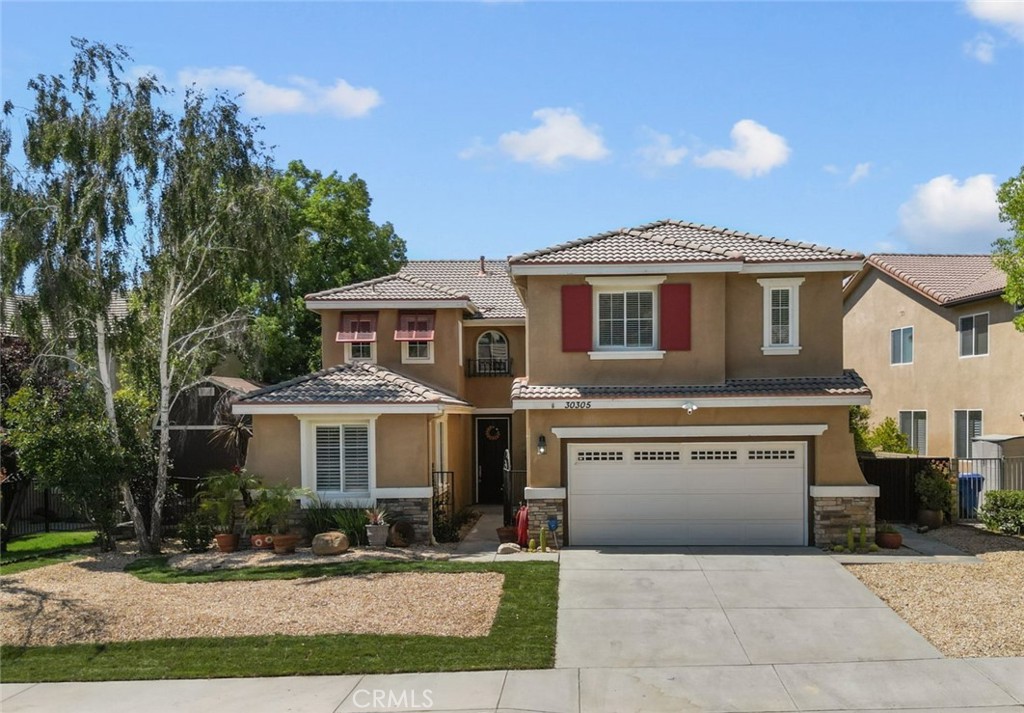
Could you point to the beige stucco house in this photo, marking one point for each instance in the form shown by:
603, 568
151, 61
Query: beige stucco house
936, 341
670, 384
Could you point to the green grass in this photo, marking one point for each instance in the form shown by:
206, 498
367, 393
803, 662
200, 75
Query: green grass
523, 635
42, 549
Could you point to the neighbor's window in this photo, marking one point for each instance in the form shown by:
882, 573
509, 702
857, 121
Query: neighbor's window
966, 427
914, 425
625, 320
342, 459
974, 335
781, 315
901, 345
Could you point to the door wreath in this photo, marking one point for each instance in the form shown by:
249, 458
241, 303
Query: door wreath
492, 433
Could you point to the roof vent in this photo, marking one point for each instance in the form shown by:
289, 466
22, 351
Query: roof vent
483, 269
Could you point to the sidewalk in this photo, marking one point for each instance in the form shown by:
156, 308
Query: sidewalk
951, 685
481, 543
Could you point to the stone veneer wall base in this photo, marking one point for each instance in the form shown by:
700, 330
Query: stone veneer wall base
414, 510
834, 517
540, 511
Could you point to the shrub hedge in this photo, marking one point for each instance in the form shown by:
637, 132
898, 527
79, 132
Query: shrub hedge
1003, 511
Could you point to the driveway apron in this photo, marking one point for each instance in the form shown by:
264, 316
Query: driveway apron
658, 607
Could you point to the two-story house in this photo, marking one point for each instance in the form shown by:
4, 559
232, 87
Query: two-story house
936, 341
671, 384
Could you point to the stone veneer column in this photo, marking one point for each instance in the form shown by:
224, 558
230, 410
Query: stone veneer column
840, 508
417, 511
544, 503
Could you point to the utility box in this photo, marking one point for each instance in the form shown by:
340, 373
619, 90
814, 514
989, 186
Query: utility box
998, 446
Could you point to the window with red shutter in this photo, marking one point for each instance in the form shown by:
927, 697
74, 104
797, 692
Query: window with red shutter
358, 327
415, 327
675, 317
577, 318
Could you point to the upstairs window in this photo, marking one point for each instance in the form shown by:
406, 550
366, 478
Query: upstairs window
781, 332
974, 335
416, 334
359, 335
901, 346
625, 320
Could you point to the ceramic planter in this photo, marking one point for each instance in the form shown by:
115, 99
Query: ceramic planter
285, 544
889, 540
263, 542
377, 535
226, 542
931, 519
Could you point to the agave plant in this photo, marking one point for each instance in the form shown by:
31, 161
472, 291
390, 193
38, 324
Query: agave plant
377, 516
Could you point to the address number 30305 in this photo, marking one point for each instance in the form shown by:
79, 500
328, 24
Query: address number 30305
577, 404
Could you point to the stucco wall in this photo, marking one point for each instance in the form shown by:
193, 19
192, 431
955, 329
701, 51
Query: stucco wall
274, 449
939, 381
403, 451
493, 391
833, 460
460, 457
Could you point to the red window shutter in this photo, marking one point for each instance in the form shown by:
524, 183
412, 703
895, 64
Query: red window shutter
358, 327
675, 317
577, 318
415, 327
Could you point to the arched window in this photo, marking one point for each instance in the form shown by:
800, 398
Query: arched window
492, 355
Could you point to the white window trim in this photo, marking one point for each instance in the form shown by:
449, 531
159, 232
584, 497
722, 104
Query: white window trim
774, 283
626, 283
970, 446
439, 456
307, 456
373, 354
900, 329
476, 344
960, 331
910, 436
429, 359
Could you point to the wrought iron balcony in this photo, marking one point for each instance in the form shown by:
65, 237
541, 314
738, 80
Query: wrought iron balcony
489, 367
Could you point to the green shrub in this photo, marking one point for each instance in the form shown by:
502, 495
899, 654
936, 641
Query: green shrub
888, 438
320, 517
1003, 511
351, 519
446, 529
196, 531
934, 487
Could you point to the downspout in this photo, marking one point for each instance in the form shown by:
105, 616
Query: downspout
431, 431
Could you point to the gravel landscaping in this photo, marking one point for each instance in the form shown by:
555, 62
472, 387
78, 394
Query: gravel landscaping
92, 600
964, 610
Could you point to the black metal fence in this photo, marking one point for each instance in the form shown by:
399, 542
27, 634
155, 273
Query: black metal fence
489, 367
43, 510
897, 501
513, 489
444, 493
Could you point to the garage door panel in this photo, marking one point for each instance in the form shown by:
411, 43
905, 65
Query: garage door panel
765, 480
672, 506
696, 533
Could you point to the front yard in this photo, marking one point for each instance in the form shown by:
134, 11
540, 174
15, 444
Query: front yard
964, 610
92, 619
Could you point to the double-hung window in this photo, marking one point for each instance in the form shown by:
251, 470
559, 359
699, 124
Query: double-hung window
416, 334
781, 315
914, 425
342, 459
974, 335
359, 335
901, 346
625, 320
966, 427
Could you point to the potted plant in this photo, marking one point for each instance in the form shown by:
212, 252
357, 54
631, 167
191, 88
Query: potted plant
221, 491
273, 506
258, 521
887, 536
377, 527
935, 493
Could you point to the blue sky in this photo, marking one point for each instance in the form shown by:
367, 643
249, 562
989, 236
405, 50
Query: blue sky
495, 128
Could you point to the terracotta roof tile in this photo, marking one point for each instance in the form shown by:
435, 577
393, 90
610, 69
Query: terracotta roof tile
849, 384
355, 383
945, 279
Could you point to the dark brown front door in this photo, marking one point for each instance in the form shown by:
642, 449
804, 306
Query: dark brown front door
491, 443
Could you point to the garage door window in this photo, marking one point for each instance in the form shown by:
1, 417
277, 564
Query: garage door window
713, 455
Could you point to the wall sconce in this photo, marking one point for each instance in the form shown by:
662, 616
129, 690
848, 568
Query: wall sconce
542, 445
690, 407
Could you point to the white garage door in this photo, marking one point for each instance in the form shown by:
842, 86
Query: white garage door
688, 494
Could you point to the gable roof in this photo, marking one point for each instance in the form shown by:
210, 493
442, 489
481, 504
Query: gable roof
349, 384
672, 241
234, 384
944, 279
487, 293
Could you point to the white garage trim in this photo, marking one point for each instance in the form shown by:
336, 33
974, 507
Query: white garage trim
688, 493
544, 494
583, 402
795, 429
844, 491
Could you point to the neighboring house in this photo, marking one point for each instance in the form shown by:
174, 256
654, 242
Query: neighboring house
674, 384
936, 341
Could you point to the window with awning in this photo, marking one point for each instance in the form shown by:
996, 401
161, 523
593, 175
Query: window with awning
415, 327
358, 327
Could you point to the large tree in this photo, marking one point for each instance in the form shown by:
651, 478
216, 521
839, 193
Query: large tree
1009, 252
336, 244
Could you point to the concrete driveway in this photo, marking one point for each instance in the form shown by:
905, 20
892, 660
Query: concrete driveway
661, 607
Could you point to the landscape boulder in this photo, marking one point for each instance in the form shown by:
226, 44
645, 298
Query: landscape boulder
330, 543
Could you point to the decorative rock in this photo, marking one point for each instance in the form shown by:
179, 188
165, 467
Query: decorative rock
330, 543
509, 548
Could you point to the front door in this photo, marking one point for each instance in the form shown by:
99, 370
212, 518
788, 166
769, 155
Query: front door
491, 442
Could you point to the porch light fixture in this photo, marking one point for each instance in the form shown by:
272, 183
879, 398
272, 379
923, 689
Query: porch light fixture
690, 407
542, 445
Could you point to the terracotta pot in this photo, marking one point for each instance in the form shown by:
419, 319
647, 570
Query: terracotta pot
285, 544
263, 542
931, 519
889, 540
506, 534
226, 542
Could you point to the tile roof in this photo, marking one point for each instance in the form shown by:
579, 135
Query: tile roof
10, 306
849, 384
355, 383
944, 279
234, 384
676, 241
490, 291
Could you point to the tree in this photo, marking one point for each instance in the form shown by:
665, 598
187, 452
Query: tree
888, 438
859, 427
1009, 252
336, 244
92, 147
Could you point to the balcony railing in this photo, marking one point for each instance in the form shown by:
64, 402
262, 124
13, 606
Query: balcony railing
489, 367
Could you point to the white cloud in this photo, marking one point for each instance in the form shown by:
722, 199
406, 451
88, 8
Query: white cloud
561, 135
830, 168
1007, 14
303, 96
947, 215
755, 151
660, 152
981, 48
860, 172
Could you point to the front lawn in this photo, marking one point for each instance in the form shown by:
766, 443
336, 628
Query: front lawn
44, 548
522, 637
